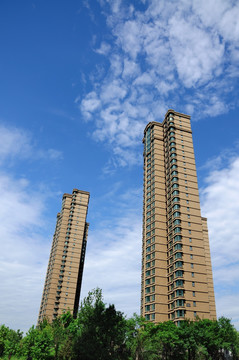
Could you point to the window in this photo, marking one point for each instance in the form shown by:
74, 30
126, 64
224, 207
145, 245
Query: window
194, 303
180, 302
178, 273
177, 230
188, 209
188, 216
193, 283
178, 238
179, 283
191, 256
189, 224
190, 240
178, 264
192, 272
189, 231
191, 248
152, 316
194, 294
179, 292
178, 247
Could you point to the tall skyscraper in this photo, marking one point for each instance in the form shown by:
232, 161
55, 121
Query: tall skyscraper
176, 265
65, 268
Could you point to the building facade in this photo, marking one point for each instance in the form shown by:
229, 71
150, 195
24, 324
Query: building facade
65, 268
177, 278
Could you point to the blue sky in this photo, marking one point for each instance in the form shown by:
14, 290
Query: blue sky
79, 81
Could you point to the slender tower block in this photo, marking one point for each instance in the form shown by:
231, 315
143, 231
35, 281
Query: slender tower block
177, 278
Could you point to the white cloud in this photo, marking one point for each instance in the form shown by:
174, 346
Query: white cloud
103, 49
131, 68
14, 142
220, 206
23, 231
144, 79
227, 306
23, 252
114, 90
198, 54
89, 104
17, 143
53, 154
182, 55
114, 254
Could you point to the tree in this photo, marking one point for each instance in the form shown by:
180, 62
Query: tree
134, 340
39, 343
64, 330
9, 341
101, 330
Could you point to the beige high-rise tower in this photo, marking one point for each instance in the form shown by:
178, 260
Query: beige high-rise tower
177, 279
65, 268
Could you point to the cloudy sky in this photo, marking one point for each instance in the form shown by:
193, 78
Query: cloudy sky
79, 81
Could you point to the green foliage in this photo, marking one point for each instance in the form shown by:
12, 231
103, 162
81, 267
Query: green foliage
9, 341
100, 332
38, 343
